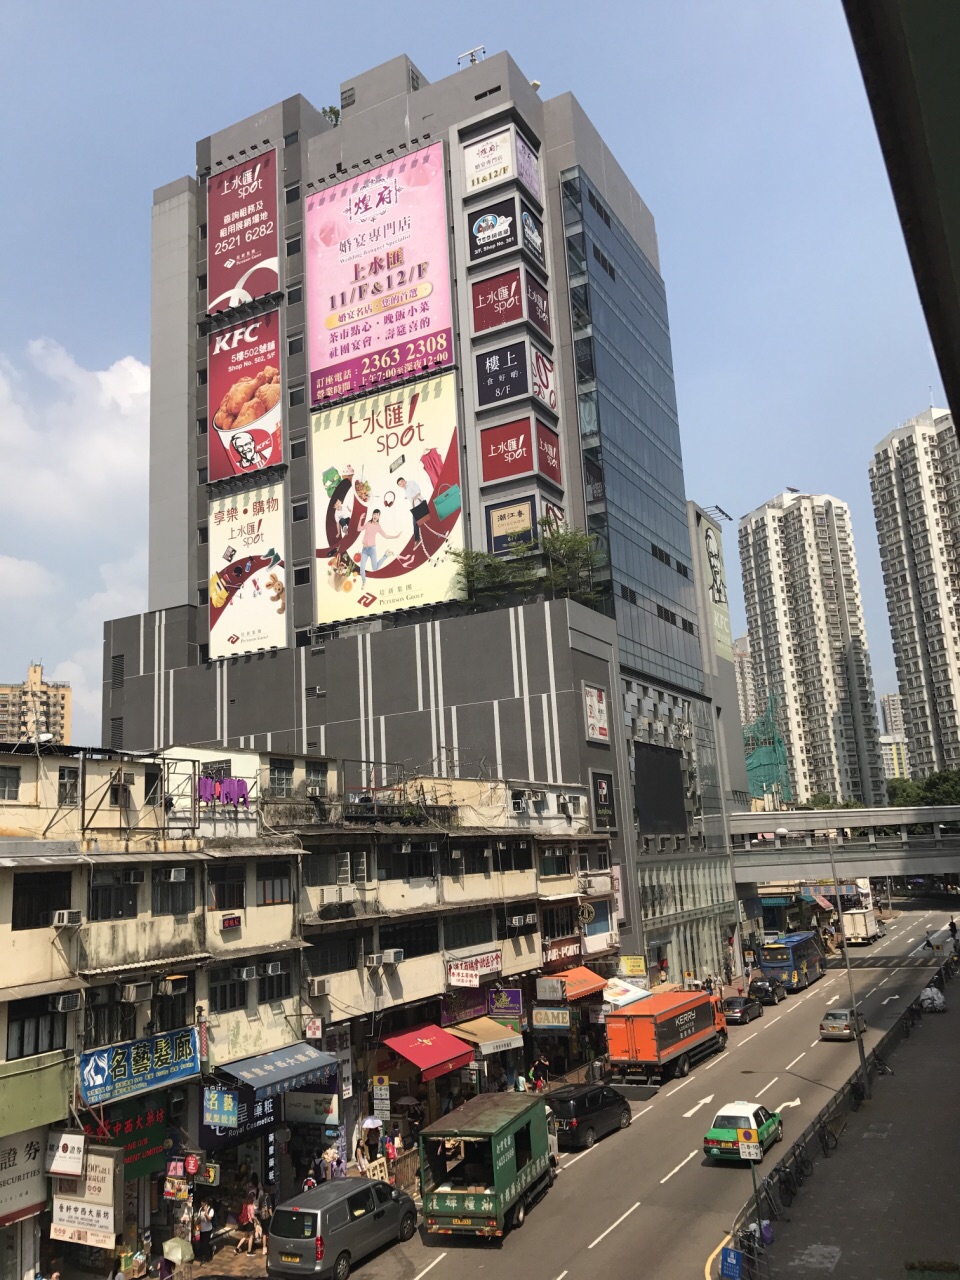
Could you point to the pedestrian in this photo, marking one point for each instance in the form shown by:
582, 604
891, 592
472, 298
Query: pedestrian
360, 1156
952, 926
116, 1270
708, 985
727, 973
373, 1144
205, 1224
310, 1181
928, 941
268, 1202
247, 1221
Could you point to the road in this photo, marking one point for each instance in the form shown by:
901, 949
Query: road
644, 1201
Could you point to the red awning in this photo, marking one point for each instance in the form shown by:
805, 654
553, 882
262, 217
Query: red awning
822, 901
431, 1049
581, 982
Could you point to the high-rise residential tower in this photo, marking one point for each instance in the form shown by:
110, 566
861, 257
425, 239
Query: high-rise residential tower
891, 712
808, 643
747, 699
35, 708
915, 483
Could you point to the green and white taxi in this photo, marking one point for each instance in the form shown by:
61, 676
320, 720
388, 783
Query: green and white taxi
764, 1127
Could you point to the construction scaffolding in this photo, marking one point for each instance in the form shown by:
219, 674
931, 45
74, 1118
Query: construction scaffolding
766, 754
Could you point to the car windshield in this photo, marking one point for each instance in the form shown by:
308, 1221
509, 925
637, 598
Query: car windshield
293, 1224
734, 1002
837, 1015
727, 1120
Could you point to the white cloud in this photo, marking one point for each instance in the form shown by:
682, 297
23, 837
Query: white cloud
23, 581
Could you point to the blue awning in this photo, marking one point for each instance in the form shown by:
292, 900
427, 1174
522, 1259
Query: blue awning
776, 900
271, 1073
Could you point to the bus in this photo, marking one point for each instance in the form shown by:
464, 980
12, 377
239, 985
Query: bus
797, 959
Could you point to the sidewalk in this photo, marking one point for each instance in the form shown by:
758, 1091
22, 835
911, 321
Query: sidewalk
886, 1196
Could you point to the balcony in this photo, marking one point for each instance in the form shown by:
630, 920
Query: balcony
110, 945
498, 886
597, 883
35, 1091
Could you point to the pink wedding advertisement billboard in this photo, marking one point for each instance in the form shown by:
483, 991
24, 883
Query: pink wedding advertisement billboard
243, 233
247, 579
388, 501
378, 277
245, 428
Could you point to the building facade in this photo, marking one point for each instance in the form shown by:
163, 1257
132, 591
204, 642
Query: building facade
747, 699
809, 646
35, 707
891, 713
915, 484
893, 751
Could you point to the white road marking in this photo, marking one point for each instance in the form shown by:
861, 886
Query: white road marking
702, 1103
580, 1156
714, 1062
776, 1019
678, 1088
869, 993
815, 1043
832, 1000
889, 998
434, 1263
615, 1224
768, 1086
561, 1275
677, 1169
883, 980
791, 1009
638, 1114
783, 1105
795, 1061
744, 1041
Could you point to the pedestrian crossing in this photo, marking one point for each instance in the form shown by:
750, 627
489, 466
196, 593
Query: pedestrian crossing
875, 961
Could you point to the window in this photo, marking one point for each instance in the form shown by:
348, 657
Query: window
168, 1013
518, 856
339, 952
36, 895
298, 449
273, 883
203, 653
295, 344
301, 511
290, 138
226, 888
201, 282
317, 774
398, 863
227, 992
202, 231
9, 783
555, 861
201, 377
116, 671
293, 246
68, 781
203, 535
201, 426
110, 898
120, 797
173, 897
202, 596
360, 1204
292, 194
601, 921
33, 1028
297, 396
281, 777
275, 986
468, 930
107, 1019
560, 922
513, 911
294, 294
201, 475
301, 576
418, 938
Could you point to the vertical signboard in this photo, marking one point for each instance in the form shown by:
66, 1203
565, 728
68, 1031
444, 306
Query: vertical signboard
497, 300
538, 305
247, 580
244, 390
389, 467
602, 801
595, 713
502, 374
717, 591
548, 454
544, 381
243, 233
528, 168
378, 277
23, 1184
531, 233
506, 450
488, 161
510, 524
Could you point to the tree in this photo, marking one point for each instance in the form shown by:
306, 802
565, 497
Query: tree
332, 114
904, 793
488, 580
570, 563
941, 788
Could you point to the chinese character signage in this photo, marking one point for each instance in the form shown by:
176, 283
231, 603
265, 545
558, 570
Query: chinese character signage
538, 304
247, 579
64, 1153
502, 374
604, 808
510, 524
243, 380
95, 1201
548, 454
488, 161
528, 168
139, 1125
506, 450
716, 579
220, 1108
465, 1002
243, 233
124, 1069
497, 300
491, 229
467, 973
388, 502
254, 1116
23, 1181
378, 277
595, 713
544, 379
531, 235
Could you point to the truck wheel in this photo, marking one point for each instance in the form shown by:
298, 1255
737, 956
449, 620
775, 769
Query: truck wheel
683, 1067
721, 1042
519, 1215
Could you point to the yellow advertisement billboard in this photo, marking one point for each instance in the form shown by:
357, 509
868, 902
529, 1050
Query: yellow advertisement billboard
388, 505
247, 580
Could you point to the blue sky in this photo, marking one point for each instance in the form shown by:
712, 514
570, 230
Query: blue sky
798, 339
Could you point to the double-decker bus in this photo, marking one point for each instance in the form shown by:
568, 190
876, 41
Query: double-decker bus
796, 959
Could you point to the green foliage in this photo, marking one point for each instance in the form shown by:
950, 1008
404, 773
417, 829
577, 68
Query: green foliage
560, 566
488, 580
570, 563
904, 792
332, 114
935, 789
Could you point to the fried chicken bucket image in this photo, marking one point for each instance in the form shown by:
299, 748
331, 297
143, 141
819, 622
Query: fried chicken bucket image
248, 423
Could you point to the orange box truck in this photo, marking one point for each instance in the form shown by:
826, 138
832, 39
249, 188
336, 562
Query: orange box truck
664, 1035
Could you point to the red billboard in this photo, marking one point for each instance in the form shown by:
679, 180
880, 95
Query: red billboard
548, 454
497, 300
245, 429
243, 233
507, 450
538, 305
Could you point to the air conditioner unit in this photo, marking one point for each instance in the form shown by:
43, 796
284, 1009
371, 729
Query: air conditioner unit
315, 793
271, 970
319, 986
519, 804
128, 779
348, 893
136, 992
515, 921
67, 919
329, 894
393, 955
456, 853
245, 973
69, 1002
406, 846
175, 874
172, 987
531, 919
502, 845
536, 797
135, 875
374, 960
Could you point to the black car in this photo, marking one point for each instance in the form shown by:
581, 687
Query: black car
742, 1008
586, 1112
768, 990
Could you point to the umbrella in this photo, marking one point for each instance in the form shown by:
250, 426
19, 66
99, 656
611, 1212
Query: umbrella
177, 1251
407, 1101
372, 1122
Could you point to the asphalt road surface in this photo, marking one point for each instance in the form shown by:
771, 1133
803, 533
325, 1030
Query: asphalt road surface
644, 1202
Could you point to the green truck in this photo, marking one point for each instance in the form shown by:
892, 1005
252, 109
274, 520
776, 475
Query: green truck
485, 1163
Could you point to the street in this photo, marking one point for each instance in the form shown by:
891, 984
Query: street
644, 1201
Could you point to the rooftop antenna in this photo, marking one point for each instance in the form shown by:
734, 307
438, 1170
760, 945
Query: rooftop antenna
472, 55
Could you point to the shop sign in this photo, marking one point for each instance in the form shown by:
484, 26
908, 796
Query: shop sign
124, 1069
83, 1235
632, 967
23, 1185
209, 1176
313, 1108
95, 1201
551, 989
139, 1125
467, 973
546, 1019
492, 228
458, 1006
502, 374
65, 1151
313, 1029
220, 1108
191, 1165
176, 1189
336, 1041
595, 713
561, 949
488, 161
381, 1097
531, 231
604, 807
254, 1115
506, 1002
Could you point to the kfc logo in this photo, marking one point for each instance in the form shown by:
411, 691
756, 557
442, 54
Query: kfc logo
228, 340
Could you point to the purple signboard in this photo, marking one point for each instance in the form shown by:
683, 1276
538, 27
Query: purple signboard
457, 1006
505, 1003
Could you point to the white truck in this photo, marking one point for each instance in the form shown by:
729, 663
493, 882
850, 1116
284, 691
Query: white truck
861, 926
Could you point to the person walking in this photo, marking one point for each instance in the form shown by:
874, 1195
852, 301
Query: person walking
205, 1224
952, 926
268, 1202
246, 1222
368, 545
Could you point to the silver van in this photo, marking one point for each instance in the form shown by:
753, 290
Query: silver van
322, 1232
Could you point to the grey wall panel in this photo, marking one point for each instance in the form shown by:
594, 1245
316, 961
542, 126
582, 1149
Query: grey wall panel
393, 655
513, 738
477, 657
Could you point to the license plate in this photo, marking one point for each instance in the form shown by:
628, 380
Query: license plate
463, 1222
728, 1145
289, 1257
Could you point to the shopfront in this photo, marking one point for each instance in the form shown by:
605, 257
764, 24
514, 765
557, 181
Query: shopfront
431, 1069
561, 1023
23, 1197
498, 1052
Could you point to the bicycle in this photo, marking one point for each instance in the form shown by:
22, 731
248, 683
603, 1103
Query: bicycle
881, 1066
786, 1185
766, 1198
802, 1163
827, 1138
751, 1247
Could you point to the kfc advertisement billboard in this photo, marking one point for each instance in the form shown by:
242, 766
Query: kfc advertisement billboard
243, 233
548, 454
245, 430
497, 300
247, 580
389, 466
378, 277
506, 451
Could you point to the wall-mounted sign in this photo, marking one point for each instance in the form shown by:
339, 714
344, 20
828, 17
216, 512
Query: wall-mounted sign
506, 450
243, 233
311, 1108
64, 1153
547, 1019
464, 1003
209, 1175
528, 168
502, 374
543, 379
497, 300
254, 1115
510, 524
488, 161
538, 305
505, 1003
138, 1066
95, 1201
603, 804
220, 1108
551, 988
531, 235
23, 1183
548, 454
492, 229
595, 713
313, 1029
244, 394
139, 1125
467, 973
230, 922
561, 949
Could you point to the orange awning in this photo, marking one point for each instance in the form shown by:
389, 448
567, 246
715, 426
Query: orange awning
580, 982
